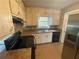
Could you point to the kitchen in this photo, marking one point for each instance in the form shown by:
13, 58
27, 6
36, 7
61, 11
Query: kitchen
43, 24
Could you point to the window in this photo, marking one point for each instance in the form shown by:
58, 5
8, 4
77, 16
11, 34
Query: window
44, 22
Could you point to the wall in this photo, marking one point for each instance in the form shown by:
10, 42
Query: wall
32, 14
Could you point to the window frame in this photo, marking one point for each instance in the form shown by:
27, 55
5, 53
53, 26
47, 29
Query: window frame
50, 18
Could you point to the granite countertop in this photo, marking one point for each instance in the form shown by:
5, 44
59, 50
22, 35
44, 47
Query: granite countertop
29, 30
37, 31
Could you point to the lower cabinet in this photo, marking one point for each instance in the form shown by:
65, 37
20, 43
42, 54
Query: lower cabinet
43, 38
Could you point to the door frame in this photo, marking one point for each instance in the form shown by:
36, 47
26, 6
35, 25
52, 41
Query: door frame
65, 21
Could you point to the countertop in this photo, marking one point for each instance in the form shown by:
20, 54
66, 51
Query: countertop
37, 31
17, 54
29, 30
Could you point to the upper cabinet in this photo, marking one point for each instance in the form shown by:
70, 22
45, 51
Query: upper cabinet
22, 9
32, 14
14, 7
17, 8
6, 24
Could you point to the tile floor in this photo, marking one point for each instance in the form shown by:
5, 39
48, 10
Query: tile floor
49, 51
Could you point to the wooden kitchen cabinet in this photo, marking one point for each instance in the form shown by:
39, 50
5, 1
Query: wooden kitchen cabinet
6, 25
32, 14
14, 7
29, 17
17, 8
43, 38
21, 9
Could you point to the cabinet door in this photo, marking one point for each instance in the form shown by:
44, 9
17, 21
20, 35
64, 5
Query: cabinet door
43, 38
6, 25
37, 41
32, 16
29, 17
14, 7
21, 9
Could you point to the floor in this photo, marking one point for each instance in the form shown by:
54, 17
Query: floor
49, 51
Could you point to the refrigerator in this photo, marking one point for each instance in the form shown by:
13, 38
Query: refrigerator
71, 42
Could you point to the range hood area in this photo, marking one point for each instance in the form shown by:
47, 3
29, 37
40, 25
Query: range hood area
17, 20
18, 23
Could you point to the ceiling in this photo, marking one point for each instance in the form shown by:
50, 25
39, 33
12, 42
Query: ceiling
56, 4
